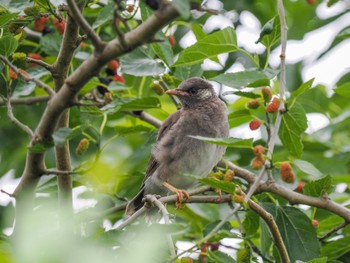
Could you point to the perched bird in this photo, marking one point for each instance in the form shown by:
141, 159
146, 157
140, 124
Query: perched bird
175, 153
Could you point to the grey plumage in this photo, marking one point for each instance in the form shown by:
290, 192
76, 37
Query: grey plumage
175, 153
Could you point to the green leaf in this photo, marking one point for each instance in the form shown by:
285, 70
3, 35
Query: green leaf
343, 90
336, 248
319, 260
138, 63
124, 130
228, 187
294, 123
51, 43
307, 168
302, 88
219, 257
319, 187
5, 18
8, 45
245, 94
297, 232
198, 31
90, 85
41, 147
251, 223
248, 78
272, 38
104, 15
229, 142
163, 49
62, 135
23, 88
222, 41
183, 7
182, 73
344, 34
131, 104
239, 117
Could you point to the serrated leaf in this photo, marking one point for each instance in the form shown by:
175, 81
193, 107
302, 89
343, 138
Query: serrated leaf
303, 87
138, 63
343, 90
248, 78
41, 147
51, 43
294, 123
251, 223
219, 257
229, 142
228, 187
297, 232
183, 7
8, 45
131, 104
6, 18
307, 168
336, 248
222, 41
319, 187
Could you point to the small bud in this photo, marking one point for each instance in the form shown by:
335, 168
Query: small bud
300, 187
19, 56
259, 150
274, 105
267, 94
82, 146
253, 104
168, 79
286, 173
315, 223
229, 175
254, 124
157, 88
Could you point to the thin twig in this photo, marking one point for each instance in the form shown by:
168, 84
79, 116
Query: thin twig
27, 78
145, 117
25, 101
7, 193
334, 230
78, 17
132, 218
40, 63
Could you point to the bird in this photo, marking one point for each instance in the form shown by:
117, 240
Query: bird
176, 154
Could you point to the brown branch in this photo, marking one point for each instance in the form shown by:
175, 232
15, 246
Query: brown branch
277, 238
26, 77
88, 30
145, 117
333, 231
25, 101
40, 63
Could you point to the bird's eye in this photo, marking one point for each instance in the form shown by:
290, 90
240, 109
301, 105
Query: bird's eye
193, 91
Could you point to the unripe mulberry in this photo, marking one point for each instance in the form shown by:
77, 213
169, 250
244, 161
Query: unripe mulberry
257, 163
286, 173
168, 79
274, 105
228, 177
19, 56
32, 11
253, 104
12, 74
267, 94
172, 40
254, 124
157, 88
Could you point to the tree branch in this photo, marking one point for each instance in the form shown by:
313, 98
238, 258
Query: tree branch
80, 20
40, 63
25, 101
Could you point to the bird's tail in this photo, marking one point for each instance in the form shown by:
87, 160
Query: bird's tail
135, 203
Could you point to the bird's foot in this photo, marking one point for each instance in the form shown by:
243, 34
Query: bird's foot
181, 194
219, 192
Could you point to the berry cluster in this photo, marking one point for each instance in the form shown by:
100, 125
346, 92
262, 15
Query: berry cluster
259, 160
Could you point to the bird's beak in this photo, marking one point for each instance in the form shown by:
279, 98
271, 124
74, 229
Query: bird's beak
176, 92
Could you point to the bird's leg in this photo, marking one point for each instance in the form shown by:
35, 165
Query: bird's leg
219, 192
179, 192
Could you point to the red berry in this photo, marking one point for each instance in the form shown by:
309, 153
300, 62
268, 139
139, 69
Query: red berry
254, 124
259, 150
315, 223
82, 45
172, 40
267, 94
113, 65
39, 24
60, 26
253, 104
274, 105
118, 78
300, 187
34, 56
311, 2
257, 163
286, 173
12, 74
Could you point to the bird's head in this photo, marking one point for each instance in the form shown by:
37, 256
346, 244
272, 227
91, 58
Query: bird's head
193, 92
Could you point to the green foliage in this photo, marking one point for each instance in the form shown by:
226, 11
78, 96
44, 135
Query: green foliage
113, 166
